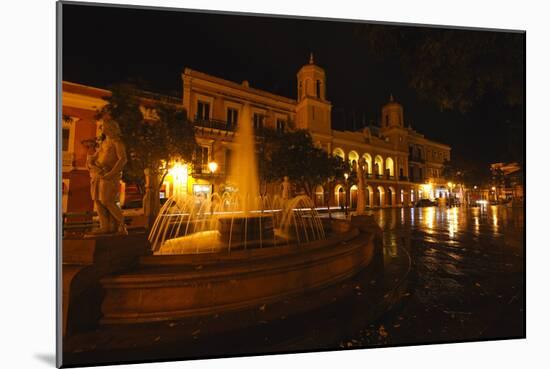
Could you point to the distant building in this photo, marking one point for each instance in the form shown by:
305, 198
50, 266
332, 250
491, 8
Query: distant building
507, 181
402, 165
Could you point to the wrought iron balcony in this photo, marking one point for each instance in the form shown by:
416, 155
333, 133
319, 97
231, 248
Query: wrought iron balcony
213, 124
416, 159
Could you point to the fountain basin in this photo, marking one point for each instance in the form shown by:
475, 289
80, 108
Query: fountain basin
243, 229
168, 287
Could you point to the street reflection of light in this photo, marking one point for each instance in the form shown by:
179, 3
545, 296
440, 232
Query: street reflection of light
494, 216
452, 220
429, 217
412, 216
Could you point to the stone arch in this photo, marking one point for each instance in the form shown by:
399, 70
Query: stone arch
353, 196
340, 195
391, 195
380, 195
390, 168
368, 163
353, 157
319, 196
378, 165
339, 152
370, 196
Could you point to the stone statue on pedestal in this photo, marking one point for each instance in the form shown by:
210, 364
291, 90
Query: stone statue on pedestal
105, 166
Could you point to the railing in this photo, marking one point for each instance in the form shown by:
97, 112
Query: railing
416, 159
225, 126
214, 123
204, 171
403, 178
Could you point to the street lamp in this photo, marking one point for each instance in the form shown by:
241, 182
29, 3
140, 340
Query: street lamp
346, 175
213, 166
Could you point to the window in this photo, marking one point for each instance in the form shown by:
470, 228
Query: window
300, 89
318, 89
203, 110
258, 120
387, 120
65, 144
232, 117
281, 125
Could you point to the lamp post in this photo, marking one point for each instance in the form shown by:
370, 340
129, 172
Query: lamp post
212, 166
346, 175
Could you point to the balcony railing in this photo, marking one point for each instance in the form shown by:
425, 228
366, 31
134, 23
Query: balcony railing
417, 159
213, 123
225, 126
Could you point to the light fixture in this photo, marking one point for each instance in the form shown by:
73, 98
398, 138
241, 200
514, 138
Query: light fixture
213, 166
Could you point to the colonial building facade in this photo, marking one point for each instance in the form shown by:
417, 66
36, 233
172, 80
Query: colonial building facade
401, 165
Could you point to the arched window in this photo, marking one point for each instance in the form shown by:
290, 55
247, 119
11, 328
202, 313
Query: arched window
379, 165
368, 163
389, 166
339, 152
353, 159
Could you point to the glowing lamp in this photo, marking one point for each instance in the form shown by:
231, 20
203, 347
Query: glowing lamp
213, 166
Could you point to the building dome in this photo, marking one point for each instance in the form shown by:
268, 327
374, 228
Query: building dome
392, 114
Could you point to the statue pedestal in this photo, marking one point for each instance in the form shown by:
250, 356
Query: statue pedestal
85, 262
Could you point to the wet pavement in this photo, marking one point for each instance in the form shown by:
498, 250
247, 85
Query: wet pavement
466, 280
443, 275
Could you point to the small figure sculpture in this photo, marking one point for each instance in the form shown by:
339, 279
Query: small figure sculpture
105, 166
285, 188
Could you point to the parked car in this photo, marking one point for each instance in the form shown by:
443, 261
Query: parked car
424, 203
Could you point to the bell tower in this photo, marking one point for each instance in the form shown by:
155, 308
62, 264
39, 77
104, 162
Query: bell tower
392, 114
313, 109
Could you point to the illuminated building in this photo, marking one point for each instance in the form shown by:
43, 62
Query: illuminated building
401, 165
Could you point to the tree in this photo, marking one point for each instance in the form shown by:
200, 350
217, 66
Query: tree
452, 68
153, 143
294, 154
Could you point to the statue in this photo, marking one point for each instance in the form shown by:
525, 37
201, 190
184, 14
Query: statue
285, 188
361, 187
105, 166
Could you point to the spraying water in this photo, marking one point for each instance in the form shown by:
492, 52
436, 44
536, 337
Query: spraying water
240, 219
244, 170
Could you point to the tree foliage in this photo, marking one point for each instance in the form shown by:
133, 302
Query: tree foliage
150, 142
454, 68
294, 154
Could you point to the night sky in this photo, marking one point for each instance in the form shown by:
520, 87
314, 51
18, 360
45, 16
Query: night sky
106, 45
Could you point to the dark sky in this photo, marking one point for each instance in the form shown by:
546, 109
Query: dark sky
106, 45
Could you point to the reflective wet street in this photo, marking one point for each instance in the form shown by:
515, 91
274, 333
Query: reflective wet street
466, 280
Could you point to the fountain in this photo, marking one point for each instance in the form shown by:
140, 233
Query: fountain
241, 219
234, 250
